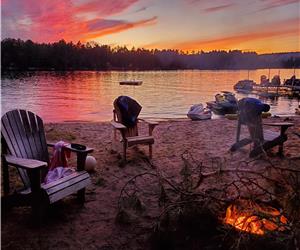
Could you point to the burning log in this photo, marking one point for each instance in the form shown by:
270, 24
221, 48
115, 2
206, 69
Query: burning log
248, 216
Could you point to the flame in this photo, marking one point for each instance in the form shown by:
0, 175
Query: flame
253, 218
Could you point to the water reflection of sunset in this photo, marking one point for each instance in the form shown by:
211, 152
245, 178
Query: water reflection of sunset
88, 96
73, 97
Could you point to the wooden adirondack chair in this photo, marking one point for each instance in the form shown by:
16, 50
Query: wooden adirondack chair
130, 136
24, 147
262, 139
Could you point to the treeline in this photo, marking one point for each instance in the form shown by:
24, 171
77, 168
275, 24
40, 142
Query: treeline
17, 54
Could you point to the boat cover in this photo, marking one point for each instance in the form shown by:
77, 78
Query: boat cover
197, 112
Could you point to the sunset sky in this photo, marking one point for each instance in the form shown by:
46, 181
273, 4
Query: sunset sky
251, 25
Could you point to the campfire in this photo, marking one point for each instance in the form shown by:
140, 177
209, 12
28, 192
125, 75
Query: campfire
251, 217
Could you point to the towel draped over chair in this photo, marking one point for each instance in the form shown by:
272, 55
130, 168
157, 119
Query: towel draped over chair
130, 110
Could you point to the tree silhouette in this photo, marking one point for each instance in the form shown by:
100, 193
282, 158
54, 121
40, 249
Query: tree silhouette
27, 55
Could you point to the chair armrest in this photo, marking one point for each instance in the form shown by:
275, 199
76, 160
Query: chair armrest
81, 155
27, 164
283, 126
279, 124
87, 150
117, 125
152, 123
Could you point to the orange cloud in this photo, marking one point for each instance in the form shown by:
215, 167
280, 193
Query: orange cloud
231, 41
255, 37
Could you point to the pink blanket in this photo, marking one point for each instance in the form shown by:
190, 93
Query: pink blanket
59, 164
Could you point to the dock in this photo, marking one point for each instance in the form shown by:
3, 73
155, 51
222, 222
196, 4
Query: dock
280, 90
131, 82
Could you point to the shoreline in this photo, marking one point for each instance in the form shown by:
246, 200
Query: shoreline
159, 119
9, 71
108, 121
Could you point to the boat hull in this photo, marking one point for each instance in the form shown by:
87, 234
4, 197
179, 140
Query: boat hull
222, 109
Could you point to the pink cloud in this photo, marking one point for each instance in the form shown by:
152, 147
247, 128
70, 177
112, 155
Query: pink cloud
122, 26
220, 7
105, 7
208, 7
51, 20
270, 4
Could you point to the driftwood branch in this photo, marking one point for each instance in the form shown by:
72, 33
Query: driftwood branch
195, 186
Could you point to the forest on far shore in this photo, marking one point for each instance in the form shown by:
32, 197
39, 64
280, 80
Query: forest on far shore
17, 54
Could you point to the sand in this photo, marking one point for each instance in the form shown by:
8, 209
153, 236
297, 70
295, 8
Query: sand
93, 226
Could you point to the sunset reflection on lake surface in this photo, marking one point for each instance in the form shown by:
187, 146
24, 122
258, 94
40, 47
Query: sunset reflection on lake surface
88, 95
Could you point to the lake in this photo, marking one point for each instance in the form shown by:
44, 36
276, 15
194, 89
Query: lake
88, 95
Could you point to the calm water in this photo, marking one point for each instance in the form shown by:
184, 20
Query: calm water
88, 96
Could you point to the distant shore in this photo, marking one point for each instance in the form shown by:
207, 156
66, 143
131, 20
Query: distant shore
12, 70
28, 55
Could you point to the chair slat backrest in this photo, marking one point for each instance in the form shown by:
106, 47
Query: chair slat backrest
129, 131
253, 122
24, 136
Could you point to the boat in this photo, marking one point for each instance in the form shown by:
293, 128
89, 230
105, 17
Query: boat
275, 88
244, 85
225, 103
131, 82
198, 112
265, 82
235, 116
293, 83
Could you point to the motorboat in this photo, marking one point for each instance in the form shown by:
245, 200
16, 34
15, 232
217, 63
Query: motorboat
244, 86
293, 83
198, 112
225, 103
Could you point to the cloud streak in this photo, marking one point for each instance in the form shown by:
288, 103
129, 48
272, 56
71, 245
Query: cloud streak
207, 6
218, 8
122, 26
105, 7
276, 30
51, 20
270, 4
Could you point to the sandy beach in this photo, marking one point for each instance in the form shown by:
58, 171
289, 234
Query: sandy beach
94, 226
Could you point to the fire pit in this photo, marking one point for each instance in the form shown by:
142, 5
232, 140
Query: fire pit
249, 216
